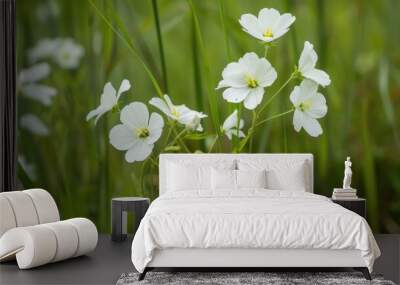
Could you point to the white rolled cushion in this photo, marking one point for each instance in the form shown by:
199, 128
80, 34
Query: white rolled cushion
223, 179
7, 218
45, 205
33, 246
23, 208
251, 178
87, 235
67, 240
37, 245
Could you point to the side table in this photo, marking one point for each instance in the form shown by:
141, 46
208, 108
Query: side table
119, 208
358, 205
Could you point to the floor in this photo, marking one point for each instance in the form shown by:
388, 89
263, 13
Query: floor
110, 260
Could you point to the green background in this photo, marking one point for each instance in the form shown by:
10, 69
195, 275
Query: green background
358, 43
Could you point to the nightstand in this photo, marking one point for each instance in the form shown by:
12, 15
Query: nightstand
358, 205
119, 208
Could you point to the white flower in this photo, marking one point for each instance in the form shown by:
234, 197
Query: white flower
269, 25
192, 120
68, 54
29, 168
33, 124
137, 134
180, 113
246, 80
309, 106
45, 48
108, 100
63, 51
307, 61
27, 83
230, 126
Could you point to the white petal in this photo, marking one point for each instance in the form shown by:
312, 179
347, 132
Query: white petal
169, 102
233, 76
231, 121
94, 113
108, 99
312, 126
265, 74
121, 137
251, 25
241, 134
161, 105
33, 124
298, 120
319, 76
156, 125
318, 107
125, 86
268, 17
135, 115
34, 73
294, 96
307, 90
139, 152
308, 58
249, 61
235, 95
38, 92
254, 98
283, 23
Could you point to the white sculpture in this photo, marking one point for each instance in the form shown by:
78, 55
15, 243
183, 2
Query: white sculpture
347, 174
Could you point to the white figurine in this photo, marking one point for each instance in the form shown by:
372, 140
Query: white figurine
347, 174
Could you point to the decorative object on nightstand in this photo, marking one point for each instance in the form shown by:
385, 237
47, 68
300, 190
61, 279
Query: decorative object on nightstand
346, 193
119, 208
357, 205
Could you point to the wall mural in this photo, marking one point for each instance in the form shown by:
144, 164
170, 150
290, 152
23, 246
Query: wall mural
104, 87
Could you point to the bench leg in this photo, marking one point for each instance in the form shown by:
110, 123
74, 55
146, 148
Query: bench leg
143, 274
364, 271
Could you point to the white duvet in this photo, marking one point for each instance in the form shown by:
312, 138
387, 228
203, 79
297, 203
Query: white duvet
250, 219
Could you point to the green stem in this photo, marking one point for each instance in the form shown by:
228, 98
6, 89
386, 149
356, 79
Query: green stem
251, 130
274, 117
178, 139
266, 51
253, 123
292, 76
130, 48
160, 44
237, 139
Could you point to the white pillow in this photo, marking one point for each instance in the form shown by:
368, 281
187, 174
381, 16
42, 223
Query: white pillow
251, 178
236, 179
193, 174
280, 174
182, 177
223, 179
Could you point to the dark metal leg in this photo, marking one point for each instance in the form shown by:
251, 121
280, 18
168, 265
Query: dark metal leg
143, 274
118, 224
364, 271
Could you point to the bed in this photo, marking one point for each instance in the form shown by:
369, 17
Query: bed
247, 210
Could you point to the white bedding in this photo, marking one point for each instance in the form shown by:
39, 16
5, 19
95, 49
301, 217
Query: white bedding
251, 218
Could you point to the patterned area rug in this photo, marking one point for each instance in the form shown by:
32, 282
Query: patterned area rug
233, 278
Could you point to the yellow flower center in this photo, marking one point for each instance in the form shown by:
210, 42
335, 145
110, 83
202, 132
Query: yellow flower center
268, 33
142, 132
306, 105
251, 82
175, 112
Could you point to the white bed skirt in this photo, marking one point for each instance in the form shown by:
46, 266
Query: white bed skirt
193, 257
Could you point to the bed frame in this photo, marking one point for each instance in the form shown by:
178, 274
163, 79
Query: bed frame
246, 258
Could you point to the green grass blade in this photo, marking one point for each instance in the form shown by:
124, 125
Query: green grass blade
160, 45
124, 36
223, 24
212, 96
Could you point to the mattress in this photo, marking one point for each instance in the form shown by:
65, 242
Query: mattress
250, 219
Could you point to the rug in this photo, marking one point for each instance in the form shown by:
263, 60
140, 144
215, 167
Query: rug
244, 278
